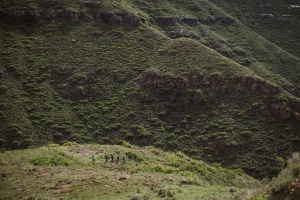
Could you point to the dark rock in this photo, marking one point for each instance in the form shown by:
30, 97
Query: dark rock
122, 179
221, 19
110, 18
207, 21
216, 80
189, 21
225, 20
246, 63
240, 52
166, 21
221, 90
3, 175
297, 117
148, 79
131, 19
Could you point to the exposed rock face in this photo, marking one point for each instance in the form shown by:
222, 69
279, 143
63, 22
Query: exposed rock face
295, 188
166, 21
35, 16
190, 21
171, 88
148, 80
131, 19
216, 82
297, 117
225, 20
292, 192
256, 85
194, 99
280, 111
220, 19
208, 20
110, 18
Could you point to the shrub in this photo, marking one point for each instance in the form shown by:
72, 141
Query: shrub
246, 133
134, 156
219, 134
171, 136
166, 192
286, 177
48, 161
52, 145
126, 144
129, 136
2, 142
158, 144
141, 131
70, 144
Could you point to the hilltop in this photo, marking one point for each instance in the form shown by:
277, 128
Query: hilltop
180, 75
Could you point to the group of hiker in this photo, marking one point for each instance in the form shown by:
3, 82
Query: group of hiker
111, 157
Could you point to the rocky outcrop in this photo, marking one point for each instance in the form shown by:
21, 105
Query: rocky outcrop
189, 85
292, 192
166, 21
110, 18
131, 19
218, 19
182, 34
207, 20
280, 111
194, 99
256, 85
35, 16
225, 20
190, 21
295, 106
148, 79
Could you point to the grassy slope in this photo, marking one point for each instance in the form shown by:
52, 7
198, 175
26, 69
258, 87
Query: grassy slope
157, 174
281, 29
81, 82
267, 59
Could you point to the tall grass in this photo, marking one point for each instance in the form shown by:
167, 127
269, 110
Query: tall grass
286, 177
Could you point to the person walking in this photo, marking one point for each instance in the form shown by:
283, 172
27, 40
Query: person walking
93, 159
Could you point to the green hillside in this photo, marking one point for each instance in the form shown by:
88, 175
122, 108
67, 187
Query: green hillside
179, 75
277, 21
66, 172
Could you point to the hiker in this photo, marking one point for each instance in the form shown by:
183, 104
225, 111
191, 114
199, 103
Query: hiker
118, 159
93, 159
123, 158
106, 158
112, 158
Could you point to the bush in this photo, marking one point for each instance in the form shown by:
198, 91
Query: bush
166, 192
246, 133
129, 136
126, 144
48, 161
52, 145
133, 155
70, 144
141, 131
2, 142
286, 177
